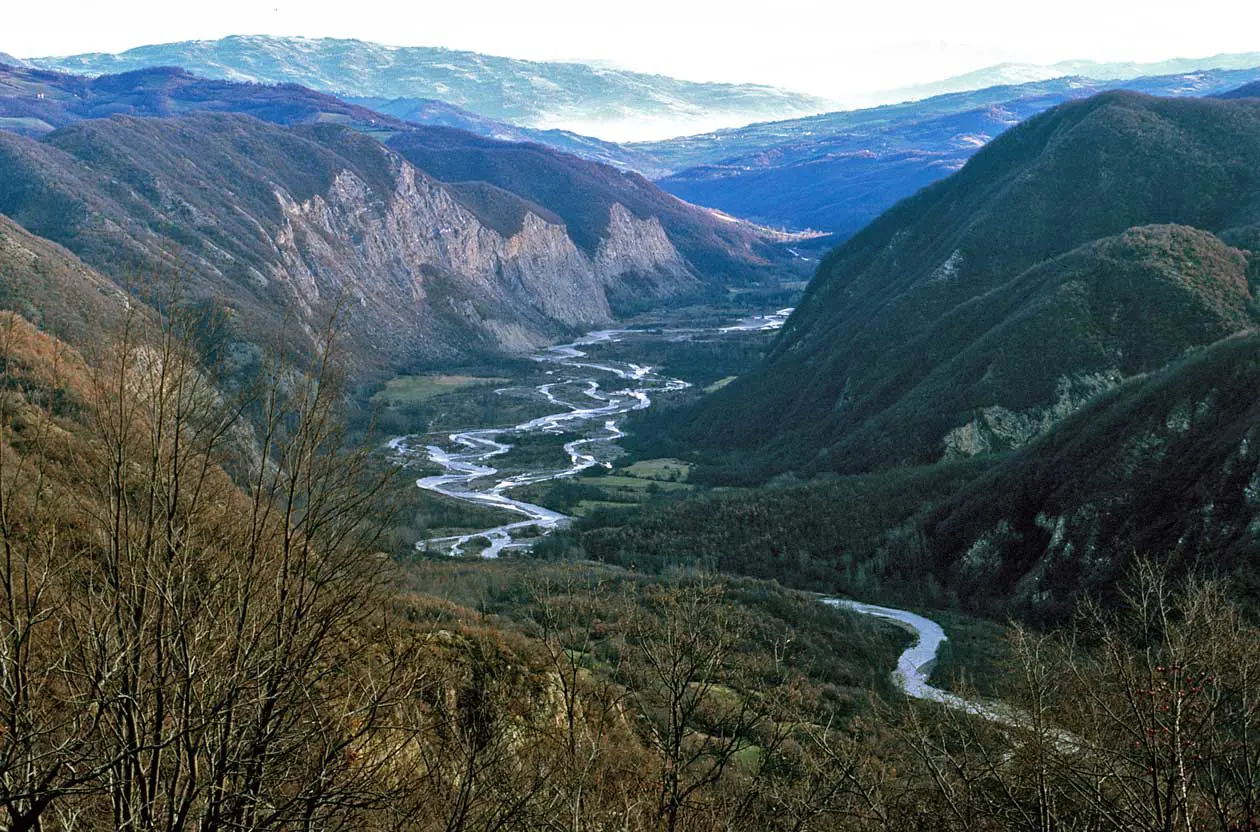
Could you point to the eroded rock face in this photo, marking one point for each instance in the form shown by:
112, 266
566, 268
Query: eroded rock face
997, 428
637, 257
418, 263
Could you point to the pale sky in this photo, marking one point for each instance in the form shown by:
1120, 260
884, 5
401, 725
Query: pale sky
828, 47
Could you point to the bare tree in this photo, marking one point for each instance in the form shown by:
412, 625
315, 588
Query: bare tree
684, 680
182, 651
1142, 718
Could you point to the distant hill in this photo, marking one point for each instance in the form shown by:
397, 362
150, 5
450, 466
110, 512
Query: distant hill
1248, 91
1018, 73
570, 96
837, 172
435, 113
35, 102
979, 313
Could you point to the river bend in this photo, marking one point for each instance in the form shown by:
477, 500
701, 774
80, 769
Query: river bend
605, 391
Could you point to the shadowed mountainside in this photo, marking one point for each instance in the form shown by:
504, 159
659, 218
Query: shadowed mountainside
1247, 91
886, 360
1165, 465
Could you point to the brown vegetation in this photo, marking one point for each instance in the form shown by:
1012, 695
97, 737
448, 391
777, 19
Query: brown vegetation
197, 631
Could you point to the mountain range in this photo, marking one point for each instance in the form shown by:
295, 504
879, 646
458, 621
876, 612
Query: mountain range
277, 200
833, 172
1006, 74
837, 172
611, 103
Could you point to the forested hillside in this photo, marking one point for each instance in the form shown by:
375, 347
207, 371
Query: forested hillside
903, 309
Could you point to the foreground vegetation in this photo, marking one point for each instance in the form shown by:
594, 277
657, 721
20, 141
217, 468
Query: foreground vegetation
198, 635
198, 631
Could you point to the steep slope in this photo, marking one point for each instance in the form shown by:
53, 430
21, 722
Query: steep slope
268, 219
1164, 466
587, 195
52, 288
839, 171
997, 371
532, 94
897, 317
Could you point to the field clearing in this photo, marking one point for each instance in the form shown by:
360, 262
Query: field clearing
633, 485
25, 123
719, 384
663, 470
411, 390
628, 487
785, 285
585, 507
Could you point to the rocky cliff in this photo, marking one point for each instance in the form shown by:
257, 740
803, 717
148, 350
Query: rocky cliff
266, 219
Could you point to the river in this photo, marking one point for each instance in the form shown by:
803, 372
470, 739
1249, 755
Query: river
593, 420
465, 458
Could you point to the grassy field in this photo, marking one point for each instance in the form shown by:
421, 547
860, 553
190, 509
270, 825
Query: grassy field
621, 488
411, 390
661, 470
719, 384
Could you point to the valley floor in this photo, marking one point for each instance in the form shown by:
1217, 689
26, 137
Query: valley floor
533, 477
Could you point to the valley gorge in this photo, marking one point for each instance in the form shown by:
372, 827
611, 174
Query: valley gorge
429, 271
375, 455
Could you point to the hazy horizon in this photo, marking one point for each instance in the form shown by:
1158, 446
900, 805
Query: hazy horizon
836, 53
